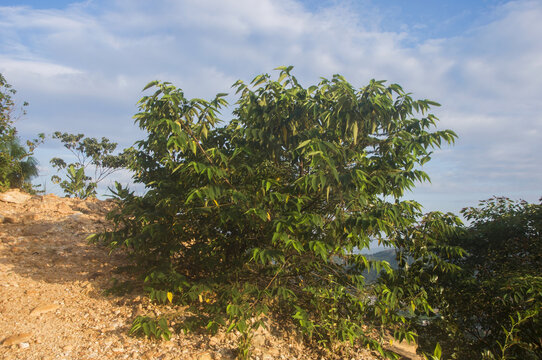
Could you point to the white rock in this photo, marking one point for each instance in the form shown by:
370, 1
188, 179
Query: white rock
14, 196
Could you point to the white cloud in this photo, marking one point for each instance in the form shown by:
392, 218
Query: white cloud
83, 68
35, 68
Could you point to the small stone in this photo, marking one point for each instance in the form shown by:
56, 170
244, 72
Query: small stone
17, 339
75, 216
10, 219
44, 309
24, 345
67, 348
149, 355
259, 341
204, 356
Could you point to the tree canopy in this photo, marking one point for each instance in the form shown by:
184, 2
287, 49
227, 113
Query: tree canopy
91, 153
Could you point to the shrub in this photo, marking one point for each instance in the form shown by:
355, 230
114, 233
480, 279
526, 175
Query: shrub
267, 214
491, 309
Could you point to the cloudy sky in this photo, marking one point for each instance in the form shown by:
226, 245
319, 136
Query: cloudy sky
82, 65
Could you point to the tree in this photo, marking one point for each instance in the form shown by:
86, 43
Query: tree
266, 214
17, 166
88, 152
492, 308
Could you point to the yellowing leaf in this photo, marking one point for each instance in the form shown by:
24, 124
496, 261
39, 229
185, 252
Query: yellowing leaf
200, 298
268, 217
170, 296
216, 203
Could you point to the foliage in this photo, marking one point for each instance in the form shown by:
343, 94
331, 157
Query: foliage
17, 166
88, 152
144, 325
437, 353
491, 309
267, 214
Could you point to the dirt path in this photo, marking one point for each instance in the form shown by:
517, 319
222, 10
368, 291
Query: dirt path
52, 301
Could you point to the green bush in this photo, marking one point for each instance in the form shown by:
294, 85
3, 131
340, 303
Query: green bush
266, 215
492, 308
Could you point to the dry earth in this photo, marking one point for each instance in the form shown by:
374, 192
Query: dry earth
53, 303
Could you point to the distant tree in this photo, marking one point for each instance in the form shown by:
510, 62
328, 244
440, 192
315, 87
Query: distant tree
492, 309
89, 153
17, 166
252, 218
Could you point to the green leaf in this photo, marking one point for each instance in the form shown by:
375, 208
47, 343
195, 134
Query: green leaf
151, 84
303, 144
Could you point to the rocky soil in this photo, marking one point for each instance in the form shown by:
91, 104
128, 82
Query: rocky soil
54, 302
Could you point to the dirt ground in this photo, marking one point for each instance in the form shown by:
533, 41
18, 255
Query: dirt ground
53, 298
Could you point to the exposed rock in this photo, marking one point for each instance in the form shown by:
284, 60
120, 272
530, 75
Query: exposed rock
11, 219
261, 337
44, 309
17, 339
64, 208
404, 349
89, 207
14, 196
75, 216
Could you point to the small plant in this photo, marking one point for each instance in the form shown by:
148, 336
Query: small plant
77, 183
511, 338
437, 353
149, 327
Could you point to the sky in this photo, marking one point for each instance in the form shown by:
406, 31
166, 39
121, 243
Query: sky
82, 65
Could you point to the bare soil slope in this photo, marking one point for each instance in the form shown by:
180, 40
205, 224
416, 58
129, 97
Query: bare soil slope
52, 300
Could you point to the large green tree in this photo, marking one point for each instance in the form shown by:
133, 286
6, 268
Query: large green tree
268, 214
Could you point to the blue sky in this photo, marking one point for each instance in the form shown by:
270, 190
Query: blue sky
81, 66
